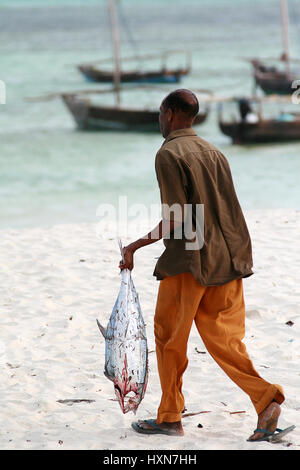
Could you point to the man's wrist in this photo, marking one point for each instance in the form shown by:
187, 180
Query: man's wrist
138, 244
133, 246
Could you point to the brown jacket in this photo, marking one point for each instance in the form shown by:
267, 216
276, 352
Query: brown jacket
191, 171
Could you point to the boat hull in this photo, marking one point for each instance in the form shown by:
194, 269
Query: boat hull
160, 76
273, 81
280, 84
265, 131
93, 117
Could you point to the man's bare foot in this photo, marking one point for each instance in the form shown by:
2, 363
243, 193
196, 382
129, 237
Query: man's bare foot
177, 426
267, 420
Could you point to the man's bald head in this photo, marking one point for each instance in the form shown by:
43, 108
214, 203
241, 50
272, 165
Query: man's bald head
178, 111
184, 101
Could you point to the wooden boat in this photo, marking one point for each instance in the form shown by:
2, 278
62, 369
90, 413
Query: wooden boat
164, 75
161, 74
265, 131
89, 116
284, 128
271, 79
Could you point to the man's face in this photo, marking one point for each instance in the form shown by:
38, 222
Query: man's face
164, 120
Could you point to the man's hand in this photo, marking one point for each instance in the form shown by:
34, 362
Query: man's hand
128, 252
163, 229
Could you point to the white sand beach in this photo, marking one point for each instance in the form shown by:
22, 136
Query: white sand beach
55, 282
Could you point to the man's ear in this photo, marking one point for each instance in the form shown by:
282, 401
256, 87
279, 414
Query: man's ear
170, 115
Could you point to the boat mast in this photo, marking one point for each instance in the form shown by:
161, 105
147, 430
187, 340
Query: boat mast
116, 45
285, 33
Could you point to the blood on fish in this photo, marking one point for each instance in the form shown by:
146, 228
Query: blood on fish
125, 387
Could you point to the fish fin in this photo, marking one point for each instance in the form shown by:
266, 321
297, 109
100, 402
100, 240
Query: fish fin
121, 249
101, 328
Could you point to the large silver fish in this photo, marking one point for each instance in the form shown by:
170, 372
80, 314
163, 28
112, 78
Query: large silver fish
126, 352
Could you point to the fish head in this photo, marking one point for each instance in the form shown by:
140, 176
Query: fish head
129, 399
128, 392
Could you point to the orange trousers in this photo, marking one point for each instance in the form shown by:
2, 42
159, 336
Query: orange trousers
219, 314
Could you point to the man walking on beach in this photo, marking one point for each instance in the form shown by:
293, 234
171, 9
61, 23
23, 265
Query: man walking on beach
200, 281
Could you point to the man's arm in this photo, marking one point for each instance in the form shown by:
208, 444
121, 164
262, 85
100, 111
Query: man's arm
162, 230
172, 181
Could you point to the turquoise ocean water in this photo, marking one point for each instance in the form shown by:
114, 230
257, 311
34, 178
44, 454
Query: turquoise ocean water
52, 173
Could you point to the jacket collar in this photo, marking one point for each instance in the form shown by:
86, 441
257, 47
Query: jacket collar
180, 133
